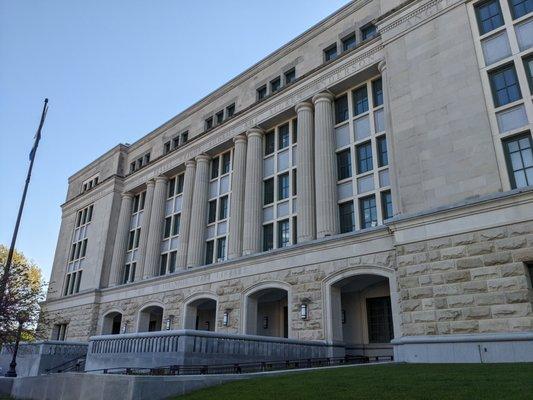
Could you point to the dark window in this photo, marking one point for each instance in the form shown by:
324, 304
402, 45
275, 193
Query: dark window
166, 147
489, 16
126, 274
330, 53
176, 224
179, 183
230, 110
519, 155
146, 158
221, 248
131, 240
368, 213
184, 137
223, 208
530, 271
294, 182
137, 238
163, 264
528, 66
344, 164
360, 100
377, 92
504, 85
290, 76
214, 167
212, 213
176, 142
132, 167
386, 205
519, 8
208, 123
364, 157
368, 31
142, 198
283, 186
379, 317
341, 109
209, 248
269, 143
294, 230
383, 157
226, 163
283, 136
275, 85
347, 217
268, 237
173, 262
168, 225
171, 188
220, 116
268, 191
348, 43
283, 233
261, 92
294, 131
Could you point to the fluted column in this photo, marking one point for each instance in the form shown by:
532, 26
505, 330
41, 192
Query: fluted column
238, 184
195, 252
145, 226
153, 247
327, 211
306, 173
121, 239
186, 208
253, 204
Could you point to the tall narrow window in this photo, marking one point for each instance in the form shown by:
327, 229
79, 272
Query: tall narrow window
368, 213
221, 249
360, 100
348, 43
290, 76
220, 117
214, 167
283, 136
330, 53
519, 8
275, 85
270, 143
377, 92
283, 186
364, 157
341, 109
268, 191
504, 85
208, 123
212, 213
209, 248
283, 233
383, 157
368, 31
268, 237
262, 92
344, 164
519, 155
528, 66
489, 16
347, 217
223, 208
386, 204
226, 163
230, 110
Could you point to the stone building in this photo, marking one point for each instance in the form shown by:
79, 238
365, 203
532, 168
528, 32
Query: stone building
367, 185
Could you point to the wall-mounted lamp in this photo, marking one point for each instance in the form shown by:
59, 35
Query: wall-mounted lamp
265, 322
303, 311
343, 316
168, 322
225, 318
125, 327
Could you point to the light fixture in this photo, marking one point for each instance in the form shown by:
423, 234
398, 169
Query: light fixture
168, 322
225, 318
125, 327
265, 322
303, 311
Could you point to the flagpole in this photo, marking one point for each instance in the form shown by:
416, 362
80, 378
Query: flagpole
7, 267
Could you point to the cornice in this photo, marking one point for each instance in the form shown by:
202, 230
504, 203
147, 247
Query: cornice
112, 184
108, 154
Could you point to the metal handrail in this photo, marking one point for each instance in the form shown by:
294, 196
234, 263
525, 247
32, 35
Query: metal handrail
77, 365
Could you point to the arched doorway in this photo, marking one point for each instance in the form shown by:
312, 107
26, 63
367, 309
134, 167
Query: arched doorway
267, 312
201, 314
361, 314
112, 323
150, 319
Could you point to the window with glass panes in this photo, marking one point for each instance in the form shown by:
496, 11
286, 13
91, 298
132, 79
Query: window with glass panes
519, 156
78, 250
363, 186
171, 226
134, 236
218, 208
279, 186
489, 16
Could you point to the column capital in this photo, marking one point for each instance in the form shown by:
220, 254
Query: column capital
382, 66
151, 182
190, 163
258, 132
323, 96
160, 178
202, 158
127, 195
304, 105
240, 138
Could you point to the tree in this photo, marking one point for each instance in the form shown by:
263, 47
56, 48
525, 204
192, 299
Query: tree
24, 291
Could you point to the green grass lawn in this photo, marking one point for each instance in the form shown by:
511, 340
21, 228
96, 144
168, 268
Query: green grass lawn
384, 382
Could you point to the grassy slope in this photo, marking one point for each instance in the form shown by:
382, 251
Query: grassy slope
385, 382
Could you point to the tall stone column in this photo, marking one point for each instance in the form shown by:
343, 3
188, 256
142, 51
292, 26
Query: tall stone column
153, 247
238, 184
196, 250
121, 239
253, 199
186, 208
306, 174
327, 210
145, 226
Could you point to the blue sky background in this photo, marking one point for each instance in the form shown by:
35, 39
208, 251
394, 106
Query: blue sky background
114, 71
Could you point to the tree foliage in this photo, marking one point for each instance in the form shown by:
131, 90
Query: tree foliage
24, 291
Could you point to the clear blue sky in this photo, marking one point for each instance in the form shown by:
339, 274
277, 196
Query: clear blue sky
114, 71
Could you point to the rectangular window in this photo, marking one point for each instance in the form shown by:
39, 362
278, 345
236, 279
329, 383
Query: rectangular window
179, 183
294, 230
230, 110
341, 109
59, 332
176, 142
173, 262
519, 156
168, 226
208, 123
294, 131
528, 66
283, 233
262, 92
364, 157
379, 317
294, 182
283, 136
171, 188
269, 143
383, 157
221, 249
290, 76
131, 240
519, 8
166, 147
214, 168
137, 238
344, 164
212, 213
220, 117
163, 264
360, 100
275, 85
377, 92
176, 219
209, 248
283, 186
348, 43
504, 85
489, 16
368, 31
330, 53
386, 204
184, 137
223, 208
368, 213
268, 237
268, 193
347, 217
226, 163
